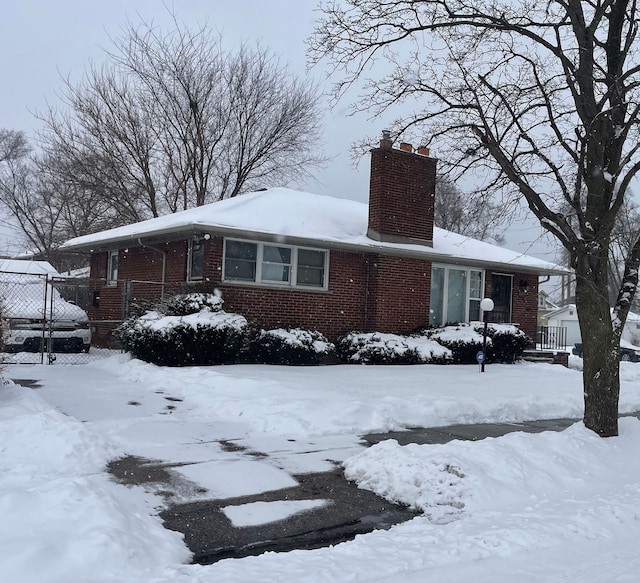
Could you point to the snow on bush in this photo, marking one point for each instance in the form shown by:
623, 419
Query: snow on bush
508, 342
376, 348
293, 346
463, 340
191, 303
204, 338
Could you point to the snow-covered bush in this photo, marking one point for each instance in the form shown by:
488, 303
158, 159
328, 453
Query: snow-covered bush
508, 342
293, 346
195, 339
183, 330
191, 303
463, 340
376, 348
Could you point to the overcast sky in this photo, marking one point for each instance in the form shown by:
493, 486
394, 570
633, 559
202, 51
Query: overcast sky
43, 41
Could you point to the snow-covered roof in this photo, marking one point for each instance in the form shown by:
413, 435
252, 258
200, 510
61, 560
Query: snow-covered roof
287, 215
28, 266
631, 316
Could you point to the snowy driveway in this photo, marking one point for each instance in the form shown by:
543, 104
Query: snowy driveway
525, 503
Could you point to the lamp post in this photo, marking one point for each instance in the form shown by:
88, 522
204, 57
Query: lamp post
486, 305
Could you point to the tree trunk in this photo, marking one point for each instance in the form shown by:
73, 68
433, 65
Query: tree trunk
601, 350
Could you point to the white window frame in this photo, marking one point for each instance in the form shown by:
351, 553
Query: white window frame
293, 275
468, 298
111, 280
190, 277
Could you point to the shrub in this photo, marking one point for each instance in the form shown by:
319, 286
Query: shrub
191, 303
293, 346
463, 340
508, 341
376, 348
195, 339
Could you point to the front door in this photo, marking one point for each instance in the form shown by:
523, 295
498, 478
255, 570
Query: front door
501, 286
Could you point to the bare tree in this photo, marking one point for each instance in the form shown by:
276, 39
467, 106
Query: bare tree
469, 215
626, 232
542, 96
48, 208
13, 145
174, 121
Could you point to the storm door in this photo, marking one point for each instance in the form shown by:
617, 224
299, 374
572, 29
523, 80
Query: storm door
501, 287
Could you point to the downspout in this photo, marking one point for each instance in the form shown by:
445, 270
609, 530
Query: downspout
163, 252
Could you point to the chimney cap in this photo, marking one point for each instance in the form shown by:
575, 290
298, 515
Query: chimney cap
386, 135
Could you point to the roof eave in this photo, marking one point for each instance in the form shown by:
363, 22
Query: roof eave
185, 232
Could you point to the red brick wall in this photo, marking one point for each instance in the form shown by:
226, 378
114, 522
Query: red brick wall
399, 293
367, 292
339, 309
524, 306
401, 193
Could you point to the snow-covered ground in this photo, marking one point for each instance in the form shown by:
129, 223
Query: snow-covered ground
524, 507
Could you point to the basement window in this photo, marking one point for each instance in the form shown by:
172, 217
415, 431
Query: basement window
279, 265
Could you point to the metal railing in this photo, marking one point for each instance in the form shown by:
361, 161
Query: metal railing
552, 337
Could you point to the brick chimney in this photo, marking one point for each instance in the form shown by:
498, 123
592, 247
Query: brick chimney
401, 194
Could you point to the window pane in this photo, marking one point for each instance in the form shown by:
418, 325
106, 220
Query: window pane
276, 254
240, 260
275, 272
474, 310
437, 296
456, 296
311, 267
113, 266
310, 276
196, 266
309, 258
276, 263
475, 285
241, 250
240, 269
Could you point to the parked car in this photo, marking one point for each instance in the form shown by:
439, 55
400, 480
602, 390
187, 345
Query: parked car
628, 352
36, 315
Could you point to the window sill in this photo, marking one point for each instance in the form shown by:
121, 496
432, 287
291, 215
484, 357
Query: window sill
263, 285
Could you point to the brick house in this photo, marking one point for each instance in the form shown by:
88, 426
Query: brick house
282, 257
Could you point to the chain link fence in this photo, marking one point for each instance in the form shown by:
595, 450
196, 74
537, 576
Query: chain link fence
44, 320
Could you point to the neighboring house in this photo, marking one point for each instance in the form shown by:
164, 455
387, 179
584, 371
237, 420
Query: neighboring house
545, 307
282, 257
29, 266
567, 316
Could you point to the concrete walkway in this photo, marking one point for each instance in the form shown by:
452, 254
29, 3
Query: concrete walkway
347, 512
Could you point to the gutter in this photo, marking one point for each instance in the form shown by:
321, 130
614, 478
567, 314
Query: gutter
184, 232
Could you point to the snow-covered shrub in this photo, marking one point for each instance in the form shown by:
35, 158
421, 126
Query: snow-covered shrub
195, 339
293, 346
463, 340
376, 348
508, 341
191, 303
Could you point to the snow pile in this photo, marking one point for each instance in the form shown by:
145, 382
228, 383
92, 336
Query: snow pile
60, 512
523, 473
